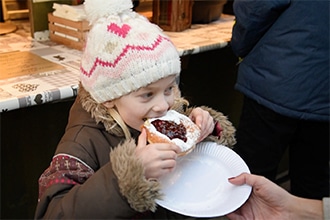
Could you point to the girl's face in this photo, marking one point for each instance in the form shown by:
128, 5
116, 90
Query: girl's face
151, 101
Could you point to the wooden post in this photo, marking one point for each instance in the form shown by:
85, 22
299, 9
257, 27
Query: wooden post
172, 15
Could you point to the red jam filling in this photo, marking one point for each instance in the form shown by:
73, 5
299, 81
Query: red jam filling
171, 129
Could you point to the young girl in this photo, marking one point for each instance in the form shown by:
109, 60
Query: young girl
103, 166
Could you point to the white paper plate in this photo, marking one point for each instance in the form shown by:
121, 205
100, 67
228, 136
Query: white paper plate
199, 186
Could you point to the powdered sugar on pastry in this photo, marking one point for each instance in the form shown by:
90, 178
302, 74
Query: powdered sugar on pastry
173, 127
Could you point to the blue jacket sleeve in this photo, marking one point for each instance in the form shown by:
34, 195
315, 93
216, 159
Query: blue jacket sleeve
253, 19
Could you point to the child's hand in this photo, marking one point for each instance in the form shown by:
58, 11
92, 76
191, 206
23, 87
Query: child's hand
203, 120
157, 159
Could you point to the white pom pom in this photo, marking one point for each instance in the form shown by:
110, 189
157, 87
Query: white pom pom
96, 9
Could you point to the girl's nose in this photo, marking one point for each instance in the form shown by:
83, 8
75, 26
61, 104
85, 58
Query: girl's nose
161, 104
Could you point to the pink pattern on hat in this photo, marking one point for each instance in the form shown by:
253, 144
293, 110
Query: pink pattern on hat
126, 64
103, 63
120, 31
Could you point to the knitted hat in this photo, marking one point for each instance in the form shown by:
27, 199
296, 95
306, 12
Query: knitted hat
123, 51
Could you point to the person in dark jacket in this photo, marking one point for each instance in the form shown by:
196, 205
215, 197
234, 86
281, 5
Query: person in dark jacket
103, 167
283, 73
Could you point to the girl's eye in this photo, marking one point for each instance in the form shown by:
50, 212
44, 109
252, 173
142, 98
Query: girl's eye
169, 90
147, 95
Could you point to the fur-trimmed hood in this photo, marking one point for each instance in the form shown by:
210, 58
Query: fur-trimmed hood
99, 112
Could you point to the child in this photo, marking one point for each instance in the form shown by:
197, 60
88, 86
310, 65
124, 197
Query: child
129, 72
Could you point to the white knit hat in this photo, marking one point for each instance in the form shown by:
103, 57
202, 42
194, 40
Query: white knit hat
124, 51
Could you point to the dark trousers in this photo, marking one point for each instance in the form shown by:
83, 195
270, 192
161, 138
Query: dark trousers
263, 136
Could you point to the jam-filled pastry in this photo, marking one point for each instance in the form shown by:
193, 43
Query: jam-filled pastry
173, 128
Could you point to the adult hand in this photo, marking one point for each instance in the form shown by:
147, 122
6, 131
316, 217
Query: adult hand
270, 201
157, 159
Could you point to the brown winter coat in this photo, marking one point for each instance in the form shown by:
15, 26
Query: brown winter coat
84, 182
